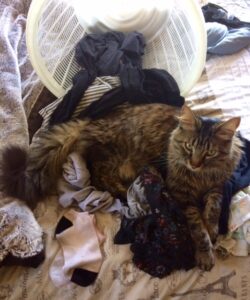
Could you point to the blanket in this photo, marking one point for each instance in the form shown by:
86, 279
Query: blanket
19, 84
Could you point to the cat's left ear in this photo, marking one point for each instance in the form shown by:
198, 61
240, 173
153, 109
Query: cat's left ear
227, 129
187, 118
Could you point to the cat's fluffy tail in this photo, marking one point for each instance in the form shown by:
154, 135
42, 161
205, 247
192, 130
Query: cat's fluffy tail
32, 174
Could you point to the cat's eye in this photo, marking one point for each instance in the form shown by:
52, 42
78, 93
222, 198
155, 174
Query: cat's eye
211, 152
188, 146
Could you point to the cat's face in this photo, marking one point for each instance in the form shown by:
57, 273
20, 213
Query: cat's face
202, 143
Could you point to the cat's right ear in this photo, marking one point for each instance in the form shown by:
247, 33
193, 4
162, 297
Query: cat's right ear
187, 118
227, 129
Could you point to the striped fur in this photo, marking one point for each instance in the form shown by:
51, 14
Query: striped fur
202, 155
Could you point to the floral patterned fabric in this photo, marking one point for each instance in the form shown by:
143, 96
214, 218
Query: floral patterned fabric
161, 242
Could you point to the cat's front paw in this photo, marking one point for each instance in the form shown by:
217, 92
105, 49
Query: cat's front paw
213, 232
205, 260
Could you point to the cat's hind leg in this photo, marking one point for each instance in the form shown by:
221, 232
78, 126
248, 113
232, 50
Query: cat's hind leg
31, 174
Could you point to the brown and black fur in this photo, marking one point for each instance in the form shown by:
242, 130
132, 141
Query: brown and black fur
200, 154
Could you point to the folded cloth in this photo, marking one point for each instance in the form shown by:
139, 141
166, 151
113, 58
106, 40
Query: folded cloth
21, 237
221, 40
99, 54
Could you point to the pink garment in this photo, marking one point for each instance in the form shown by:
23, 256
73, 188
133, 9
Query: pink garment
80, 247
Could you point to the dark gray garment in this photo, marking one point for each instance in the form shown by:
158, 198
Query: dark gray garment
99, 55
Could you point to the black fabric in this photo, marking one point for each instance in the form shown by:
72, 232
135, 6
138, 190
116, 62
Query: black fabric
160, 242
215, 13
107, 53
62, 225
31, 261
137, 87
83, 277
66, 107
239, 180
99, 55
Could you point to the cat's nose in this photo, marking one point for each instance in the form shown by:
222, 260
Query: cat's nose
195, 164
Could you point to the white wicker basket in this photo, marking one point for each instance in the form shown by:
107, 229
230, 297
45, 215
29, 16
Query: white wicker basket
174, 31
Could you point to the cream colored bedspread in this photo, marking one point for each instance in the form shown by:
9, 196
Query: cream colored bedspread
223, 90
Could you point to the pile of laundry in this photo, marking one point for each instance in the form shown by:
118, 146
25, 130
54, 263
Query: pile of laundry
111, 75
152, 223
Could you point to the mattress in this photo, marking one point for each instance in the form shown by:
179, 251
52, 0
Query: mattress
223, 90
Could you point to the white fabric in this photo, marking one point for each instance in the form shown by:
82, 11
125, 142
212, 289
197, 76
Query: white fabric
237, 241
75, 188
20, 234
79, 248
239, 210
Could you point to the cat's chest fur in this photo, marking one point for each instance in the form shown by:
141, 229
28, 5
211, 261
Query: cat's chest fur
194, 186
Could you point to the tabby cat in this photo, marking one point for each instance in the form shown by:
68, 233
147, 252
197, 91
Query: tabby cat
200, 154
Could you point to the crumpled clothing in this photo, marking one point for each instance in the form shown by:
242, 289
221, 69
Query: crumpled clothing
99, 54
239, 210
234, 243
215, 13
94, 92
138, 193
161, 241
107, 53
223, 41
75, 188
239, 180
21, 237
114, 53
237, 241
137, 87
136, 200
